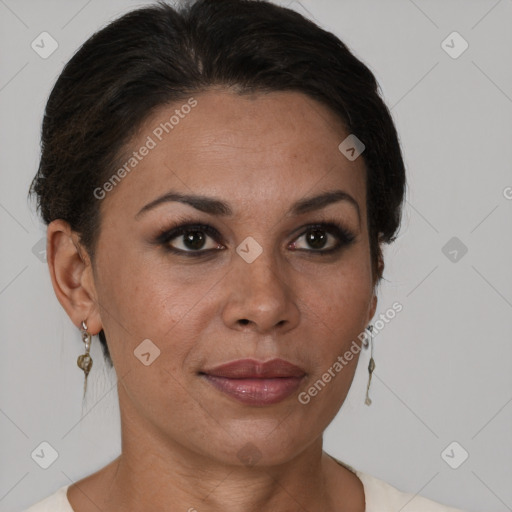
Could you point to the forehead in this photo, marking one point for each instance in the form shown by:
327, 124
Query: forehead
260, 148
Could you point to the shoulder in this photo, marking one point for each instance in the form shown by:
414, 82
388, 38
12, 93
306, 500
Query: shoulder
56, 502
383, 497
379, 494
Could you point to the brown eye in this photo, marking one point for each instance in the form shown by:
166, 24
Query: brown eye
317, 237
193, 240
189, 239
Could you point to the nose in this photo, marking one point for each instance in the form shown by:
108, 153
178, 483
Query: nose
259, 297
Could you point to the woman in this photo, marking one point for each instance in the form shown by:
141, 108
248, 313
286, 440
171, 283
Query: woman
218, 183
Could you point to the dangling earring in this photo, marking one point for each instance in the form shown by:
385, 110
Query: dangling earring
84, 361
371, 365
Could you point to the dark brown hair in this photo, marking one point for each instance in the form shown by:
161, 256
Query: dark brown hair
158, 55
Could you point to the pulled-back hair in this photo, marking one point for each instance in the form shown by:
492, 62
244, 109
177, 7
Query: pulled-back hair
160, 55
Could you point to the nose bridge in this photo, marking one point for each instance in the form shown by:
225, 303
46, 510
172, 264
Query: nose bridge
260, 275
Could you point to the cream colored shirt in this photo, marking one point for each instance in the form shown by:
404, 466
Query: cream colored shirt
379, 496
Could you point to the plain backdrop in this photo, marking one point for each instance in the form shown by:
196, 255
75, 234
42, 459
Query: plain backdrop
441, 419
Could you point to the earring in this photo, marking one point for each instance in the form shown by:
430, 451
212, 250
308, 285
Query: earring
371, 365
84, 361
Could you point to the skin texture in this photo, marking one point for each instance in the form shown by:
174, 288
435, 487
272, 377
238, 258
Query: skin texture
181, 438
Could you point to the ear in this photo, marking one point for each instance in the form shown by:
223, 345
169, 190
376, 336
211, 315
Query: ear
377, 277
71, 274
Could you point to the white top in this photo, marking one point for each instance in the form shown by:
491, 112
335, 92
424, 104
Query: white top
379, 497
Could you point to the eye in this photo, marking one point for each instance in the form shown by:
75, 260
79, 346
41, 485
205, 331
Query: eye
317, 236
191, 239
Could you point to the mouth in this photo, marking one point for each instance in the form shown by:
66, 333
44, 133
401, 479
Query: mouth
256, 383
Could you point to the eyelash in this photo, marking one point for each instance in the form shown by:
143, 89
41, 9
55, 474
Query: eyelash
344, 236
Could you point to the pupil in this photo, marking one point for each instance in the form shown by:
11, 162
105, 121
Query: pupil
194, 244
315, 240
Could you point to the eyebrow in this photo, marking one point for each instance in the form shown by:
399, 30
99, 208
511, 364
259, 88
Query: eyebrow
220, 208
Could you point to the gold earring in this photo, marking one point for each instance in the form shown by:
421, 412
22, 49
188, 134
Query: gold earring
84, 361
371, 365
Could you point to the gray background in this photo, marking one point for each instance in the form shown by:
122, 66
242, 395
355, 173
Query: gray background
443, 364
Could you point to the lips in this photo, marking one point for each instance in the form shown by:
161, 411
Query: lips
251, 369
256, 383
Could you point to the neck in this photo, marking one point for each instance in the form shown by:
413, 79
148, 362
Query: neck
176, 480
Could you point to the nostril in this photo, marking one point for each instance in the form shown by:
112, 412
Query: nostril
244, 321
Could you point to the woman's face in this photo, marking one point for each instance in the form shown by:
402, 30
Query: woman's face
258, 283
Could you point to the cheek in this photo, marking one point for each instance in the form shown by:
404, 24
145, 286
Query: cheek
341, 296
338, 312
335, 312
150, 298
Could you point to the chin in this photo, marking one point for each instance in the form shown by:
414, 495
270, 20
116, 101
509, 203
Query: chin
261, 443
